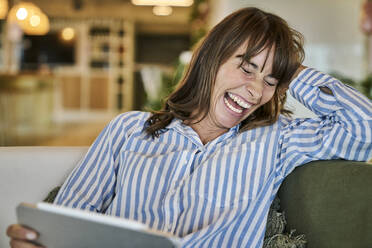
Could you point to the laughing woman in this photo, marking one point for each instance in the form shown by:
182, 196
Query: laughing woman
208, 165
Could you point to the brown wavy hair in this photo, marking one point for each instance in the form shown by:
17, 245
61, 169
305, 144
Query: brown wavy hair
260, 30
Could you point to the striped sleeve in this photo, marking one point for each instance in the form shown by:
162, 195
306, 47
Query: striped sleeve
342, 130
91, 185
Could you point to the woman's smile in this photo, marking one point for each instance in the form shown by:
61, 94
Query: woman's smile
236, 104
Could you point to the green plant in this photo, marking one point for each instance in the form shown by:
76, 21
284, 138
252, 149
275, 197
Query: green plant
167, 86
198, 20
366, 86
343, 79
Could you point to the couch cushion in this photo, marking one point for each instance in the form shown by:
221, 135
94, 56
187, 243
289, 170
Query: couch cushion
330, 202
28, 173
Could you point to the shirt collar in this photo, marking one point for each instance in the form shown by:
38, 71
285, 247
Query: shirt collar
174, 123
178, 126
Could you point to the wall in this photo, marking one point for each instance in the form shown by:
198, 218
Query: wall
333, 40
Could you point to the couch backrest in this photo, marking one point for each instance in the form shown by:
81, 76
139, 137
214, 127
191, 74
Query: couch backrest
330, 202
27, 174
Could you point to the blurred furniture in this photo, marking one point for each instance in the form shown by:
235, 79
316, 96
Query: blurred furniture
329, 201
26, 105
101, 78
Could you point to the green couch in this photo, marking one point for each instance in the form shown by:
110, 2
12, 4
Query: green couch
328, 201
331, 203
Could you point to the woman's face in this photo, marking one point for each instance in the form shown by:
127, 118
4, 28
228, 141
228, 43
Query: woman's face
241, 88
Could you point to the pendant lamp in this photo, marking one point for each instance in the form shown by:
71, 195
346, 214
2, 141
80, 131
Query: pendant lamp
29, 18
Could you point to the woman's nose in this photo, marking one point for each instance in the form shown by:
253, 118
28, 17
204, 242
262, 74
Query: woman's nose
255, 89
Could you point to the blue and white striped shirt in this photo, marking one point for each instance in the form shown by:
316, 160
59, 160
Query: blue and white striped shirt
217, 194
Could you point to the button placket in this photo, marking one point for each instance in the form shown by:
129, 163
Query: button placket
173, 196
168, 212
182, 163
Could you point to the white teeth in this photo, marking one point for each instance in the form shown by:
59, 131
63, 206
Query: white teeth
232, 107
239, 101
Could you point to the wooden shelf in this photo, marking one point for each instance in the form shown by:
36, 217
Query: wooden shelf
106, 62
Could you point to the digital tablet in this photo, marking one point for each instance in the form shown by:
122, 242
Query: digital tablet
62, 227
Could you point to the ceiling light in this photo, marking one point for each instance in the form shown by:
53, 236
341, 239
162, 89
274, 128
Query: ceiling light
177, 3
162, 10
29, 18
38, 24
35, 20
22, 13
68, 34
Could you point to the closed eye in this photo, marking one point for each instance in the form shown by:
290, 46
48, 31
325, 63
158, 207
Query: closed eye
245, 70
271, 82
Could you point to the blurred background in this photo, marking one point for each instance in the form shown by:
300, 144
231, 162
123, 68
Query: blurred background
68, 67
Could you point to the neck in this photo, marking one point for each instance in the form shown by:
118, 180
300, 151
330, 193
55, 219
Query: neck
206, 131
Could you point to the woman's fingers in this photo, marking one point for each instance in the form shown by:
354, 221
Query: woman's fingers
20, 236
19, 232
16, 243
